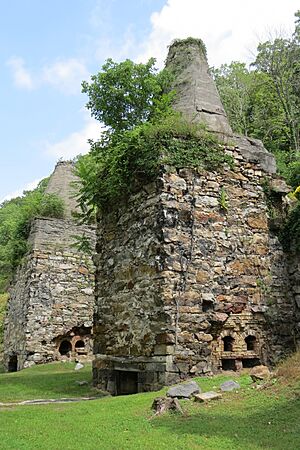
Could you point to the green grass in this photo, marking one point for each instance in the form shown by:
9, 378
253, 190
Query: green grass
247, 420
55, 380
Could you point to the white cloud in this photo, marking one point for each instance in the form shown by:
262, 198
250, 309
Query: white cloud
76, 143
65, 75
230, 29
21, 75
19, 192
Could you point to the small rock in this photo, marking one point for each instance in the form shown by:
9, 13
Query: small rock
78, 366
81, 383
260, 373
184, 390
207, 396
229, 385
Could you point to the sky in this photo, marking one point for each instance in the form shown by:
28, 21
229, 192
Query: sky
47, 47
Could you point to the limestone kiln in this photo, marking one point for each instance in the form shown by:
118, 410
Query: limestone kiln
186, 285
51, 303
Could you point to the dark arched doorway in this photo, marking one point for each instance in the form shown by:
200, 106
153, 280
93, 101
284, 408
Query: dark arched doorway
251, 343
228, 342
65, 347
79, 345
13, 363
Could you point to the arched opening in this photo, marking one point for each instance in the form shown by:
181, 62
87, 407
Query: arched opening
65, 347
13, 363
79, 345
251, 343
228, 342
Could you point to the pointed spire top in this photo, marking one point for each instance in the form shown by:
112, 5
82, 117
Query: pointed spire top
197, 97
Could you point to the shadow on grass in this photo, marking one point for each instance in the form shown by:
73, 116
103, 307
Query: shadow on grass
252, 426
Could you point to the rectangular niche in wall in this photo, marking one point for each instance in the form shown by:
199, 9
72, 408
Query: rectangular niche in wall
250, 362
126, 382
228, 364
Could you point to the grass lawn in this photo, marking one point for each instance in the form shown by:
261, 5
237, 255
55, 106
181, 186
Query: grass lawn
55, 380
247, 420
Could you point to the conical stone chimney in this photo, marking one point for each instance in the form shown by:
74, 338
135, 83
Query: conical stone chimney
197, 97
62, 183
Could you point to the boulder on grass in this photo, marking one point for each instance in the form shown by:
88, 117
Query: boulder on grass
259, 373
229, 386
207, 396
184, 390
79, 366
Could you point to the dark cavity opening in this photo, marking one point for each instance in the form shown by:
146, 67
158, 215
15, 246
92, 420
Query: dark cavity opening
250, 362
126, 382
207, 306
13, 363
65, 347
228, 343
228, 364
79, 344
251, 343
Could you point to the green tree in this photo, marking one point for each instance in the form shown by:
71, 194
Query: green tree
235, 85
123, 95
16, 216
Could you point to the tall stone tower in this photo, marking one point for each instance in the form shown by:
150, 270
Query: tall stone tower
50, 309
196, 95
185, 284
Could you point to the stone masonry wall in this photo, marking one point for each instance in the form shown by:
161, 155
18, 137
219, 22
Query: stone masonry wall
187, 283
294, 271
50, 310
53, 297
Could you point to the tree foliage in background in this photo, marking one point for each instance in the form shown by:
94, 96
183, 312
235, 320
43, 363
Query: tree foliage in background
15, 220
264, 102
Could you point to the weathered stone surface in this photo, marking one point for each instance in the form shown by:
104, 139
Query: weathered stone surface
184, 390
229, 386
207, 396
51, 302
260, 373
197, 97
278, 185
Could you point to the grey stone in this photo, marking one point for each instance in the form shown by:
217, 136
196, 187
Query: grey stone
184, 390
207, 396
229, 385
197, 97
79, 366
254, 151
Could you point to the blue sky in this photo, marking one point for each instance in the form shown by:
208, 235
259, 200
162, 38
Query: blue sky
47, 47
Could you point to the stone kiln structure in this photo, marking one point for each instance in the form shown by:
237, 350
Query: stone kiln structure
189, 277
50, 309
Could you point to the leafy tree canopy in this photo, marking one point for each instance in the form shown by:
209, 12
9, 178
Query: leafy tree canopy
123, 95
15, 219
264, 101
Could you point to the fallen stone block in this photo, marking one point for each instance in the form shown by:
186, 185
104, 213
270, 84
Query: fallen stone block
207, 396
259, 373
79, 366
229, 386
184, 390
